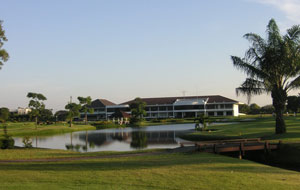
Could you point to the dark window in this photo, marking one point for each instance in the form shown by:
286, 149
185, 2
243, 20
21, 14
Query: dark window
162, 108
211, 113
211, 106
110, 109
170, 107
153, 108
229, 113
220, 113
190, 107
228, 106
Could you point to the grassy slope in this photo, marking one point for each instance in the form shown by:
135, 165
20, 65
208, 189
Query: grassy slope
168, 171
262, 127
28, 128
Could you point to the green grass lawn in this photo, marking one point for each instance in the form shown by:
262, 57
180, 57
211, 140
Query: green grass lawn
259, 128
166, 171
29, 128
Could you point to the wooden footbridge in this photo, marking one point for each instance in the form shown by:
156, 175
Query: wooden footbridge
235, 145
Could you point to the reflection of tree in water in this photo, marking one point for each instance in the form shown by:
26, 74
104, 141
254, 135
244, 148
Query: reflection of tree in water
73, 147
139, 140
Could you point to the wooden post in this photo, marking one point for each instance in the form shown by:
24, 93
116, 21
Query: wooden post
279, 144
215, 149
267, 147
242, 149
240, 152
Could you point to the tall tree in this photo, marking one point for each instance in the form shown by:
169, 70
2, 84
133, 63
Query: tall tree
272, 66
73, 111
36, 105
3, 53
85, 106
137, 108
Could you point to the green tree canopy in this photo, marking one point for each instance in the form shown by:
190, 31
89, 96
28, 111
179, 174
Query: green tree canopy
36, 104
272, 66
267, 109
254, 109
73, 111
244, 108
4, 114
3, 53
137, 108
46, 115
293, 103
85, 106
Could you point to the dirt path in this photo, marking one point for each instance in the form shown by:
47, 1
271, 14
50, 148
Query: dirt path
183, 149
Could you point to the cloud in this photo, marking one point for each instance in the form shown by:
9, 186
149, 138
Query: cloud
291, 8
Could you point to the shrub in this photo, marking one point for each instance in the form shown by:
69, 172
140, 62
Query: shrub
7, 143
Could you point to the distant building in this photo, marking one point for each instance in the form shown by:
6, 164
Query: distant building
22, 111
170, 107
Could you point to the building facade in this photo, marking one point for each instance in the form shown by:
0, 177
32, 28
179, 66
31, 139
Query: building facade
170, 107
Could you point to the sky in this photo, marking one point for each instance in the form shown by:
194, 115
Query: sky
122, 49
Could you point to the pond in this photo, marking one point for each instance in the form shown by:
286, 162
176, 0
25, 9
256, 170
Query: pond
123, 139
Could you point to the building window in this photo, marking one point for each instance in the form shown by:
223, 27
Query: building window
153, 108
162, 108
228, 106
211, 113
220, 113
229, 113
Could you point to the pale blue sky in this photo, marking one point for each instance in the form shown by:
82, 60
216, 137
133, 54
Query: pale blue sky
121, 49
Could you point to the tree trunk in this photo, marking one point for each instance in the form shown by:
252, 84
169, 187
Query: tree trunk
36, 120
85, 118
71, 122
279, 97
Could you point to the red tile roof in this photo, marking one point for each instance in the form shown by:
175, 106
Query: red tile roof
171, 100
101, 103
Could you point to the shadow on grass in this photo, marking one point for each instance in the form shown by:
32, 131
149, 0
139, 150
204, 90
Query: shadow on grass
208, 161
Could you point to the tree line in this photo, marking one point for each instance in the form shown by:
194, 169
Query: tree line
41, 115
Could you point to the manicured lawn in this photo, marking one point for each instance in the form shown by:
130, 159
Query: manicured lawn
29, 128
166, 171
261, 127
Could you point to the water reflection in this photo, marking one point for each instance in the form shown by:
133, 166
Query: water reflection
138, 140
115, 139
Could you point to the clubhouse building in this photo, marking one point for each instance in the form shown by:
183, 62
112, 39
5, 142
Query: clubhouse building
169, 107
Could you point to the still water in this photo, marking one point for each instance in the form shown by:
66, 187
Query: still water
123, 139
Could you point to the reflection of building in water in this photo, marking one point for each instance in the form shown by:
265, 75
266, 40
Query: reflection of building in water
170, 107
137, 139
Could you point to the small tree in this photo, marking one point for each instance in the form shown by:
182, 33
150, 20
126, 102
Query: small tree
254, 109
85, 106
244, 108
73, 111
61, 115
4, 115
138, 111
7, 141
268, 109
293, 103
3, 53
46, 115
36, 105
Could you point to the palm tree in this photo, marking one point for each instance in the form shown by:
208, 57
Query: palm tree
86, 107
272, 66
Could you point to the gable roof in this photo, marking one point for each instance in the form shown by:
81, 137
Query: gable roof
101, 103
171, 100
